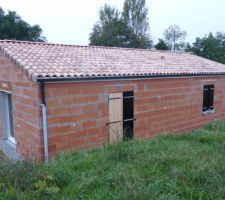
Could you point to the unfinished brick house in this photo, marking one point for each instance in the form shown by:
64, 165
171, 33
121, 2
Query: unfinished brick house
57, 98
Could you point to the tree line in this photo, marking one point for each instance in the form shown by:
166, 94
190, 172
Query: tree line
126, 28
12, 27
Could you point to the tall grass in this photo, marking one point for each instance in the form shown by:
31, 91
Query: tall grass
190, 166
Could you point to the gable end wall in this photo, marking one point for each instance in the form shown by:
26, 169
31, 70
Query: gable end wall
26, 108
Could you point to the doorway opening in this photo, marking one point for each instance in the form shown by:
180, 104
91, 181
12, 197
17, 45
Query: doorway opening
121, 116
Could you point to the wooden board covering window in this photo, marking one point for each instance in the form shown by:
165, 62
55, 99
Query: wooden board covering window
115, 117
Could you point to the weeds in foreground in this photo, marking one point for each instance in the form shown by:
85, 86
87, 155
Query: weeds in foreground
190, 166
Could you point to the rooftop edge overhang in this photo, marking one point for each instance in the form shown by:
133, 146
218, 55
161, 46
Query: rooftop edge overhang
124, 78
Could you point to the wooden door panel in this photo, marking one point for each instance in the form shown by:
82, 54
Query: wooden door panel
116, 117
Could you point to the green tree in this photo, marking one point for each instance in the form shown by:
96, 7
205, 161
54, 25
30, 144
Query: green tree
210, 47
188, 47
175, 37
113, 29
14, 28
135, 14
110, 30
161, 45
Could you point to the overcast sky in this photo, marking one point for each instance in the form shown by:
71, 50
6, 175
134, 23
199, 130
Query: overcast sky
71, 21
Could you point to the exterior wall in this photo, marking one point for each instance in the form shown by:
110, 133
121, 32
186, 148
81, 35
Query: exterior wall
77, 113
26, 108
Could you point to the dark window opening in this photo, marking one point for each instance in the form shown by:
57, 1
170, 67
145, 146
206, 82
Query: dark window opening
128, 115
208, 97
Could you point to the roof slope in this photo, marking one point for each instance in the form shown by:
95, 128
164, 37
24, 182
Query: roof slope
45, 60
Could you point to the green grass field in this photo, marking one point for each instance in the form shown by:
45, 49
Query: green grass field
190, 166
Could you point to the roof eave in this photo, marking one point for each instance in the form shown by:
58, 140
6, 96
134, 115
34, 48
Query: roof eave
115, 78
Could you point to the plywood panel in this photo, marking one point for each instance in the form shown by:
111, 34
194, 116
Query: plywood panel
116, 117
116, 132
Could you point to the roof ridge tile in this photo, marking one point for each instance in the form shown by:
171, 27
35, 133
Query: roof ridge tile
89, 46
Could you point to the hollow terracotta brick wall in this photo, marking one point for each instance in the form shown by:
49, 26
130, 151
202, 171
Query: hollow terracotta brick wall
77, 113
26, 108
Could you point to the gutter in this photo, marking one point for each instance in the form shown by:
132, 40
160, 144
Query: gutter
121, 78
44, 121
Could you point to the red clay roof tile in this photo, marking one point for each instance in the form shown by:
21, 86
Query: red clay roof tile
41, 60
